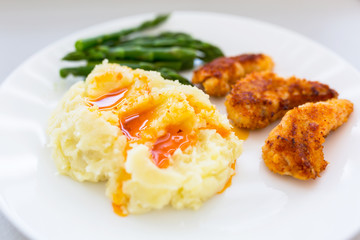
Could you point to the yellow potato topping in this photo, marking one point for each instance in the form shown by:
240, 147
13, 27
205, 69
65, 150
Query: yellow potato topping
155, 141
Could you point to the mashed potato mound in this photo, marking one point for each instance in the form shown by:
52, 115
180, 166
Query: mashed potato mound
155, 141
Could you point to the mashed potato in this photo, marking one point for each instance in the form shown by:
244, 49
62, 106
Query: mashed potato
155, 141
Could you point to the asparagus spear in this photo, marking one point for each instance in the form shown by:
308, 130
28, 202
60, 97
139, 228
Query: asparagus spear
166, 73
160, 42
172, 75
81, 71
87, 43
163, 35
152, 54
135, 53
176, 66
210, 51
75, 56
174, 34
144, 41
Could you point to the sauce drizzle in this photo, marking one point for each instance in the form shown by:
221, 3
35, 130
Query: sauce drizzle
241, 133
134, 124
167, 144
228, 183
109, 100
119, 198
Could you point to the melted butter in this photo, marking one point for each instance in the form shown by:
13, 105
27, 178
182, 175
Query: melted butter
133, 125
228, 183
109, 100
167, 144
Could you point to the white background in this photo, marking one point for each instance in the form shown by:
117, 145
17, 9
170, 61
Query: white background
28, 26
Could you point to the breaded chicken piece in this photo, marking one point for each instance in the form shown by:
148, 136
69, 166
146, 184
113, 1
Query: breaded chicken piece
260, 98
218, 76
294, 147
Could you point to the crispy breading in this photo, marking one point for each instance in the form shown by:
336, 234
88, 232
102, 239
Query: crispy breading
260, 98
218, 76
294, 147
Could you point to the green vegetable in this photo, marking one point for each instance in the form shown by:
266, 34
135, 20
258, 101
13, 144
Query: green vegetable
135, 53
166, 73
87, 43
176, 66
76, 71
75, 56
167, 52
172, 75
140, 48
164, 35
210, 51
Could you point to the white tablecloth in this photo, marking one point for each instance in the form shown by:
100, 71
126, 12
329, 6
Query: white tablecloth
28, 26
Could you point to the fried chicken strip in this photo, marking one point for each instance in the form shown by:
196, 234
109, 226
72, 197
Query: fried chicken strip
294, 147
260, 98
218, 76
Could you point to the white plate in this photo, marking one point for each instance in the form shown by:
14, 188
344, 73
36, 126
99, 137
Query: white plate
259, 204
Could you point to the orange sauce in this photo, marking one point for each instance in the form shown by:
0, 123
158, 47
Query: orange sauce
167, 144
109, 100
164, 146
120, 210
241, 133
228, 183
134, 124
222, 131
119, 198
